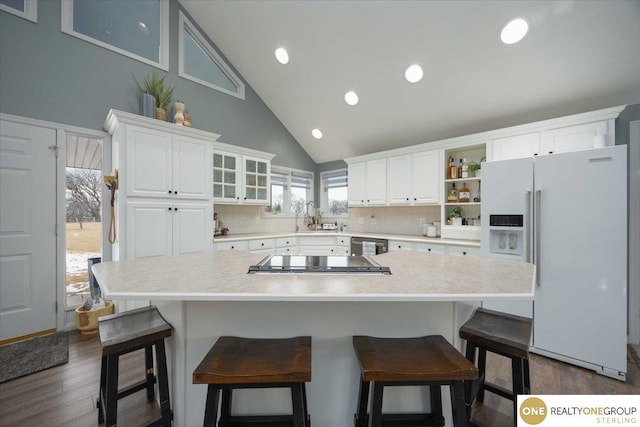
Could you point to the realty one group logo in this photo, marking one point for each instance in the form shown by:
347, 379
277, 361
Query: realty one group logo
578, 410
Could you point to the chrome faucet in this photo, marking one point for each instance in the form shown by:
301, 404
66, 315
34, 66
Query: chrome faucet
306, 212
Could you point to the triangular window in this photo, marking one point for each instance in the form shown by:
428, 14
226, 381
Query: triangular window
199, 62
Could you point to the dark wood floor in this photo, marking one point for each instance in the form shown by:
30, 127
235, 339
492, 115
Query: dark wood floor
66, 395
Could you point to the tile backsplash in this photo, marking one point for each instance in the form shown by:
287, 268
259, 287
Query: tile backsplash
249, 219
394, 220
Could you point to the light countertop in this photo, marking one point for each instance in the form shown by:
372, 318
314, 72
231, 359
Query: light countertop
222, 276
403, 237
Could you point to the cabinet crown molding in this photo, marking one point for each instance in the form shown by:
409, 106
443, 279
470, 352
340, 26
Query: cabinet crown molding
484, 137
236, 149
116, 117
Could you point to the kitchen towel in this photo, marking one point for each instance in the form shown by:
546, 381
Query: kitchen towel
368, 248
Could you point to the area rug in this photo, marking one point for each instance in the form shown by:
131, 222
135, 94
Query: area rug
33, 355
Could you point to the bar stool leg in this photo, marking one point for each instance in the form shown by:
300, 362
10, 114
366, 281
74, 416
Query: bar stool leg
211, 408
148, 363
111, 397
307, 422
375, 416
458, 404
225, 409
527, 379
297, 399
363, 404
103, 388
518, 383
482, 365
435, 397
163, 383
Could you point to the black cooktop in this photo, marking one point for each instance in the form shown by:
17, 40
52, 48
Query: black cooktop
318, 264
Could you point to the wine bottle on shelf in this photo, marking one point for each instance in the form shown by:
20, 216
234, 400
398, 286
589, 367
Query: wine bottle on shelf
478, 198
464, 196
453, 169
449, 166
465, 168
452, 195
460, 169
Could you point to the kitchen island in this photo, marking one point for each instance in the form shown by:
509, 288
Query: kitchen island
207, 295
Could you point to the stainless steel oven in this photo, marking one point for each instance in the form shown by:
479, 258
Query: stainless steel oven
368, 246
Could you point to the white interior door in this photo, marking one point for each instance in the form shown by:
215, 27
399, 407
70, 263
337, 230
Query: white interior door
27, 230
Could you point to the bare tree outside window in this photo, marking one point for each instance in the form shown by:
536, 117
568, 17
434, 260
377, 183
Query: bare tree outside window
83, 195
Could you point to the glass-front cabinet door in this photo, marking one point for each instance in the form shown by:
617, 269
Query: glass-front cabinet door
225, 177
256, 180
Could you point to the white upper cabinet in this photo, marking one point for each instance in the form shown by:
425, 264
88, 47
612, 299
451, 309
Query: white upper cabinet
368, 183
560, 136
514, 147
240, 175
413, 178
426, 174
257, 174
159, 164
399, 180
357, 173
572, 138
376, 182
226, 177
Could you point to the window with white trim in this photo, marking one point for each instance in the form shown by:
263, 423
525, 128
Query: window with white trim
334, 188
27, 9
137, 29
199, 62
291, 189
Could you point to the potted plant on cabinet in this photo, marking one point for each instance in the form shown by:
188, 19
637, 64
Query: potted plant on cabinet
154, 85
475, 168
455, 216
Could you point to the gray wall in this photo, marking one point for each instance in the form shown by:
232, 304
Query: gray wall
48, 75
629, 114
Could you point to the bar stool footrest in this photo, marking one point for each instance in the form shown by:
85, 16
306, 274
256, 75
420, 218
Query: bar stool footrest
406, 420
260, 420
500, 391
133, 388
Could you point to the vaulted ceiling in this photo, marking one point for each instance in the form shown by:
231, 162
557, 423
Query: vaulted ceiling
578, 56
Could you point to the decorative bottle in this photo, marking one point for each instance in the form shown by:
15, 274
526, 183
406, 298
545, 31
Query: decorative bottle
179, 117
464, 195
452, 195
465, 168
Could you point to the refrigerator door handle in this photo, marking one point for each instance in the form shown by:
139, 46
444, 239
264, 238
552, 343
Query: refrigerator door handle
527, 226
538, 197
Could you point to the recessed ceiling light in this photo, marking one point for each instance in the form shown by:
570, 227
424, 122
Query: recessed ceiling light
316, 134
351, 98
413, 73
282, 56
143, 27
514, 31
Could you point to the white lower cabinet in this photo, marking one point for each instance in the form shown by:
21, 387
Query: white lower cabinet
162, 227
463, 250
262, 246
241, 245
400, 245
343, 245
321, 245
287, 246
428, 247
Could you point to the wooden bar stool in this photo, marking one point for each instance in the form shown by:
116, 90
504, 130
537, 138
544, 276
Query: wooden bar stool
503, 334
236, 363
122, 333
429, 361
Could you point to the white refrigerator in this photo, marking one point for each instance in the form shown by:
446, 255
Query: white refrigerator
567, 214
